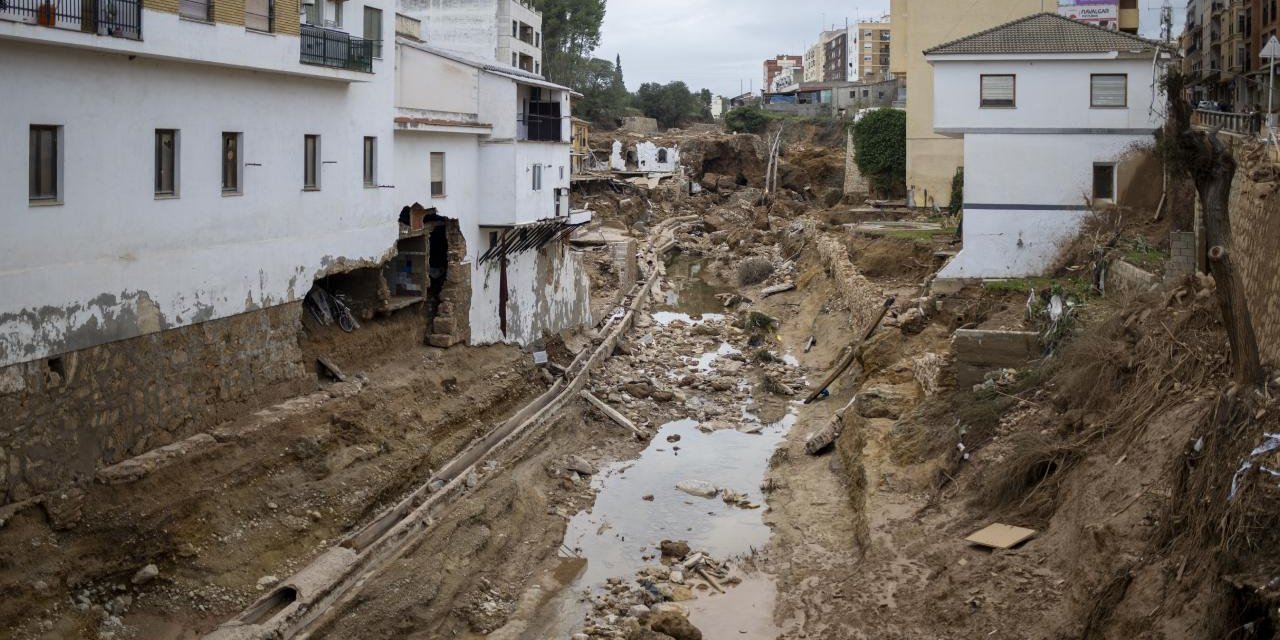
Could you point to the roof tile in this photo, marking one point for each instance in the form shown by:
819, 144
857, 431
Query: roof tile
1045, 33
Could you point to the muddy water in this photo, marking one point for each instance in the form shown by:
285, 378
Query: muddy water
693, 292
637, 503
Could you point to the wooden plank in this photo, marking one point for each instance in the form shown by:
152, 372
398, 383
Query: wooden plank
855, 350
1001, 536
612, 413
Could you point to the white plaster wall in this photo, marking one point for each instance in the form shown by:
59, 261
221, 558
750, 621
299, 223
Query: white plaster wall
431, 83
507, 202
647, 157
616, 161
472, 27
114, 262
1012, 244
166, 36
548, 292
1026, 169
461, 177
1039, 169
1049, 94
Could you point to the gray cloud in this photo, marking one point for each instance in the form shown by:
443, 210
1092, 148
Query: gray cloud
721, 44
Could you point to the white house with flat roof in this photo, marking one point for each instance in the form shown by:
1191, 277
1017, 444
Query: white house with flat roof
169, 166
1051, 111
483, 153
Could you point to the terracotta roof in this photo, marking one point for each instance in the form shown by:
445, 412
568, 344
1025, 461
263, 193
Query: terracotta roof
1045, 33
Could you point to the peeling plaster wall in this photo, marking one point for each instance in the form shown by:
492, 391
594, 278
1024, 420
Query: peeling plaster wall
478, 28
1019, 179
113, 261
549, 292
649, 157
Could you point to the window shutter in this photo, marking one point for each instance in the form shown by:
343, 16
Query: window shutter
997, 91
1110, 90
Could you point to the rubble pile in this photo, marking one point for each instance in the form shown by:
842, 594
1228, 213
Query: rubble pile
683, 367
650, 602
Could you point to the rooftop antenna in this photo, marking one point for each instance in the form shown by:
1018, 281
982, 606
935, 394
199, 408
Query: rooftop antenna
1166, 22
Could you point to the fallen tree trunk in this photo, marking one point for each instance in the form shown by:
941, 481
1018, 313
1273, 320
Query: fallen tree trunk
855, 350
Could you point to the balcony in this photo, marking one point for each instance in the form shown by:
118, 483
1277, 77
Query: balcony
115, 18
335, 49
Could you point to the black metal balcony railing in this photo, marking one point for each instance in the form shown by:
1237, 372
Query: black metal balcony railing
117, 18
336, 49
540, 128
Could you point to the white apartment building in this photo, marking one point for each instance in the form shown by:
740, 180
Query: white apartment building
1050, 111
485, 150
504, 31
171, 163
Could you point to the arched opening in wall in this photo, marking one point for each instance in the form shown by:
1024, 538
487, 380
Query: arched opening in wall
662, 156
632, 161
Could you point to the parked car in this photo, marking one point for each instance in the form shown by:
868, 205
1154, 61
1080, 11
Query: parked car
1208, 105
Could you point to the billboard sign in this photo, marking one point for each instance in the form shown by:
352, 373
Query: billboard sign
1102, 14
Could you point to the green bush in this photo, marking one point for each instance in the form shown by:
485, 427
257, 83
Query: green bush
957, 192
747, 120
881, 138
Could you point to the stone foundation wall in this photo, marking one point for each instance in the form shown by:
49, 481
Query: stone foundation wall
1255, 235
452, 324
67, 416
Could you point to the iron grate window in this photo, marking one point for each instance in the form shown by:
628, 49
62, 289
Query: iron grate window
373, 29
311, 162
370, 161
437, 175
43, 163
166, 162
231, 162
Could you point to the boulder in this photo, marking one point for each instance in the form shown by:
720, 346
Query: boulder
674, 548
675, 625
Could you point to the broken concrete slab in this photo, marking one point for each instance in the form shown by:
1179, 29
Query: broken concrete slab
138, 467
1001, 536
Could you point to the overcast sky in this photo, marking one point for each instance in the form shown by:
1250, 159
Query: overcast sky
719, 44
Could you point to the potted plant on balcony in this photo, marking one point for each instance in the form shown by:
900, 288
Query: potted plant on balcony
46, 14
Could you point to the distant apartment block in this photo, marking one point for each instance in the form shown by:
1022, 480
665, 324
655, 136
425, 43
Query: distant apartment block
871, 63
773, 67
505, 31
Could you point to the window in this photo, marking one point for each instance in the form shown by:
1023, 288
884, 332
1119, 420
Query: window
998, 91
373, 29
537, 177
258, 14
515, 59
230, 163
313, 13
437, 175
537, 68
1109, 90
370, 161
515, 29
311, 162
45, 163
1104, 182
337, 12
196, 9
537, 39
166, 162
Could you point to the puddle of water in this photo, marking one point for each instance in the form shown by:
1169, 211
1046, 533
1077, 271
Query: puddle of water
706, 360
695, 296
744, 612
623, 527
664, 318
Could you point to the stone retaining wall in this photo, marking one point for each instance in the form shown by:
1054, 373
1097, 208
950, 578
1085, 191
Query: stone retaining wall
1255, 235
65, 417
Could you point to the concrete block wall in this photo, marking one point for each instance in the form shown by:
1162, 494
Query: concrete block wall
66, 417
1182, 255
